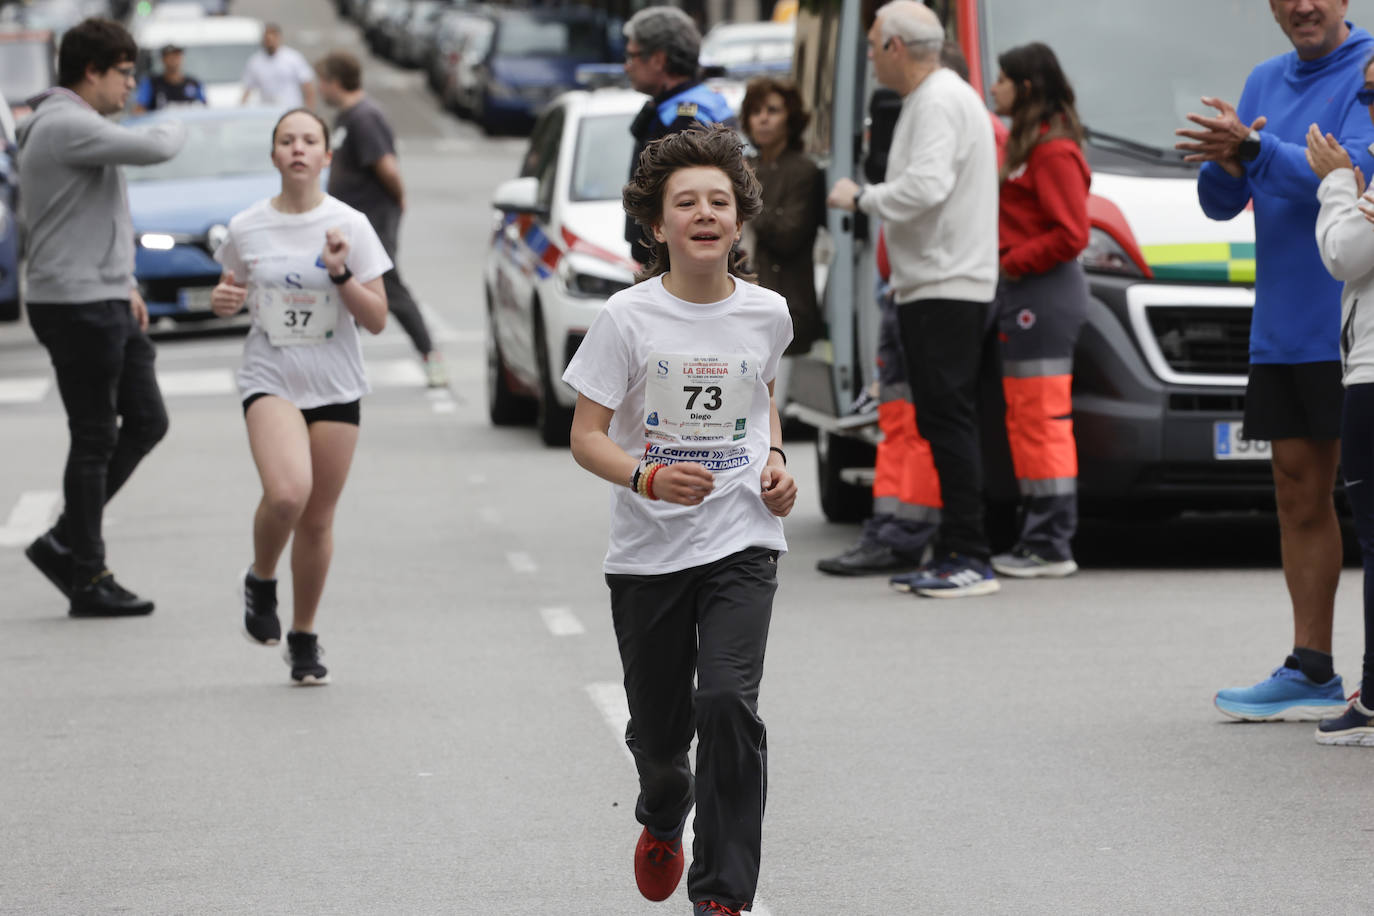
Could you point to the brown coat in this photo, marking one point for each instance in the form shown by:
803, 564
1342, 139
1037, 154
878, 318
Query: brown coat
784, 234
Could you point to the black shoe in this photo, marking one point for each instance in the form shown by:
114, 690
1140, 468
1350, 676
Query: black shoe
303, 655
868, 560
104, 597
259, 599
53, 560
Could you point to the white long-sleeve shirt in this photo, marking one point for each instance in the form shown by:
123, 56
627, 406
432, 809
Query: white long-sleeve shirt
1346, 242
939, 200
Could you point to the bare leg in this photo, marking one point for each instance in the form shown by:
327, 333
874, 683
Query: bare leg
331, 454
1310, 534
280, 444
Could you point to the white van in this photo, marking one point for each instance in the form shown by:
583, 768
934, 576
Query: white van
217, 49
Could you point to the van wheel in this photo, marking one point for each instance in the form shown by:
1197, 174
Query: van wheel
553, 419
842, 501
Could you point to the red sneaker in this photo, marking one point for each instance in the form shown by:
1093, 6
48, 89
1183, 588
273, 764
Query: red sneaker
658, 866
711, 908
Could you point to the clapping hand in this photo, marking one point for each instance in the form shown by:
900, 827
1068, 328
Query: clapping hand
1325, 154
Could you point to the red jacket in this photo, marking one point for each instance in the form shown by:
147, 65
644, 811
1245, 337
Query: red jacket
1043, 219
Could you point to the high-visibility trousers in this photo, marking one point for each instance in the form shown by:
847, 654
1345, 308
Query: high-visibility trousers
905, 484
1038, 321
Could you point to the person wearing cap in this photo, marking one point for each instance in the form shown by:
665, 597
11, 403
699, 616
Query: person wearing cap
173, 86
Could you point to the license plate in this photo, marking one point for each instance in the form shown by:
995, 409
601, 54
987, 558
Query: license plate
194, 298
1229, 443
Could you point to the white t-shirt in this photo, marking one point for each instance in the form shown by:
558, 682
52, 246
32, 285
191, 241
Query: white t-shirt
278, 77
690, 381
319, 357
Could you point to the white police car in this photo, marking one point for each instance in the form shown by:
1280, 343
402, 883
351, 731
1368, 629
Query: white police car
557, 253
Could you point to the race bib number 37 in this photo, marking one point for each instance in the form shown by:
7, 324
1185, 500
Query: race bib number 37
297, 317
699, 398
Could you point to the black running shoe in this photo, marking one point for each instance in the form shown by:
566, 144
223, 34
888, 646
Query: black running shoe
303, 655
259, 599
104, 597
53, 560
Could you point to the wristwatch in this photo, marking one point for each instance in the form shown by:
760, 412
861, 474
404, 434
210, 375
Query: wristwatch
1249, 148
342, 278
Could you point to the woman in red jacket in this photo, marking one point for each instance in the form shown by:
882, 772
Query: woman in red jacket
1042, 300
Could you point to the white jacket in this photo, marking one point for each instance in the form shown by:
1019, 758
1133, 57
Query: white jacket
939, 202
1346, 242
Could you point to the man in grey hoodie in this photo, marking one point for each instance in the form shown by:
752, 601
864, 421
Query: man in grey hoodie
84, 305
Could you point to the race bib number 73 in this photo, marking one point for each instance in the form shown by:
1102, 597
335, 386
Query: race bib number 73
694, 398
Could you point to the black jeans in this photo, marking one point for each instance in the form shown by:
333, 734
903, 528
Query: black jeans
711, 621
399, 301
1357, 467
115, 413
942, 342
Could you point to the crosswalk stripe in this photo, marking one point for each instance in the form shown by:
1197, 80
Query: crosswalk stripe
23, 390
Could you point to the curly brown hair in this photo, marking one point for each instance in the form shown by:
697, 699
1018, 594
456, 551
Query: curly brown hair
757, 92
717, 147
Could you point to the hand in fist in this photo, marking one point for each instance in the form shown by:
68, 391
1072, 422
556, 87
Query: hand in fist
335, 252
227, 298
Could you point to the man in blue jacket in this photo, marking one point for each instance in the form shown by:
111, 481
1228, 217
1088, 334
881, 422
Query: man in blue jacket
1257, 151
662, 44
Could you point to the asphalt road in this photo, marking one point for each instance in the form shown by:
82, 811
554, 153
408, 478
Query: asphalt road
1051, 749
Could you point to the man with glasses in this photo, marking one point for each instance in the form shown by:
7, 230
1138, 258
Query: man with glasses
938, 204
83, 303
1257, 151
661, 49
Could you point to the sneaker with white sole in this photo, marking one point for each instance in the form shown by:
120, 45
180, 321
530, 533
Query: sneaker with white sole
1022, 563
303, 655
1352, 728
1286, 695
952, 576
259, 600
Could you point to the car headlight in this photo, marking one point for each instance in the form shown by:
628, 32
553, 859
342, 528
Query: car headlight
588, 285
216, 236
157, 241
1105, 255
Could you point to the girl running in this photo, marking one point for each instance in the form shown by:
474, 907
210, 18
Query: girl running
310, 269
1042, 302
675, 408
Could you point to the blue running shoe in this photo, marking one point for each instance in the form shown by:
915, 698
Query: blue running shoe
952, 576
1352, 728
1288, 694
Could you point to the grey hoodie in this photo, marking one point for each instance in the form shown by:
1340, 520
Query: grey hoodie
73, 206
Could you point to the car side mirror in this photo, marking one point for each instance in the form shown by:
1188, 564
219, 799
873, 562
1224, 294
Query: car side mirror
519, 195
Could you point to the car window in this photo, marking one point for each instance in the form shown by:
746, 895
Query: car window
601, 159
26, 69
211, 63
542, 161
217, 148
522, 36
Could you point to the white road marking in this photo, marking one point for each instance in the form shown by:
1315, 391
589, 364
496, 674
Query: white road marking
444, 407
24, 390
609, 699
393, 373
521, 562
30, 517
439, 328
196, 382
561, 621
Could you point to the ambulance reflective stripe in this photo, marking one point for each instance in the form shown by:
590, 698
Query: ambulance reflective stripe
1036, 368
546, 253
905, 483
1214, 262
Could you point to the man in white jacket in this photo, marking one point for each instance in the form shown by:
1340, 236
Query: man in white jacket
939, 210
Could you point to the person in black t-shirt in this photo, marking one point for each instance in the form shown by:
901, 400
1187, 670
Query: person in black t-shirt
366, 175
170, 87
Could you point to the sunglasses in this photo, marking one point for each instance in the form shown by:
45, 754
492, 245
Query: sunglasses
1365, 96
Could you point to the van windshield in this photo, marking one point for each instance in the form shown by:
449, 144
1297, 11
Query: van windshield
1137, 69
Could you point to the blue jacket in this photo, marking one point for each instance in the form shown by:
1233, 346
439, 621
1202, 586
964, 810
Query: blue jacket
1297, 313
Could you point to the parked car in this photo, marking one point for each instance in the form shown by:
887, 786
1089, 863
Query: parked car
444, 39
54, 16
532, 59
217, 49
1160, 366
415, 38
745, 49
472, 44
557, 253
28, 65
379, 23
181, 208
9, 217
